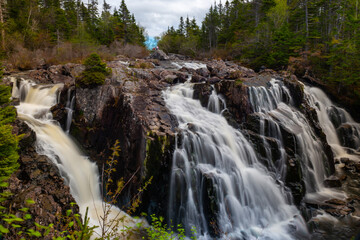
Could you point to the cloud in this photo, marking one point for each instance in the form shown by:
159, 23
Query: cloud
157, 15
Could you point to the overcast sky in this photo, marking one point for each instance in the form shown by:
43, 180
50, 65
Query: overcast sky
157, 15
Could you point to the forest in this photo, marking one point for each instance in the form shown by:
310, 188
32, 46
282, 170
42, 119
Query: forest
315, 38
58, 31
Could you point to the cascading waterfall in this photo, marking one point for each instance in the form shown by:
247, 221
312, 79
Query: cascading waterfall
275, 107
332, 119
216, 173
79, 173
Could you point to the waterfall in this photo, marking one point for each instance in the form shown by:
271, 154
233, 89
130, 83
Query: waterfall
78, 171
216, 174
332, 120
70, 102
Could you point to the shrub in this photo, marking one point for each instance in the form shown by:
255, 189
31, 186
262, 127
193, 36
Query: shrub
95, 72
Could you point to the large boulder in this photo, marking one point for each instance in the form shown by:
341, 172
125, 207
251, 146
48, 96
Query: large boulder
160, 55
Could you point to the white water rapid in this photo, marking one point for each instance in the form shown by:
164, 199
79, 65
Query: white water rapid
79, 173
216, 173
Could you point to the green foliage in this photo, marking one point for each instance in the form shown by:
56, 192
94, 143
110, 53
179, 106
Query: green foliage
8, 151
160, 230
8, 141
95, 72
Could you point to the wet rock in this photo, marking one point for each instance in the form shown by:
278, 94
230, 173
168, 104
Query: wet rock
267, 147
348, 136
236, 97
332, 182
159, 54
59, 113
188, 70
197, 79
203, 72
313, 120
253, 122
172, 79
336, 116
296, 89
213, 80
202, 91
294, 179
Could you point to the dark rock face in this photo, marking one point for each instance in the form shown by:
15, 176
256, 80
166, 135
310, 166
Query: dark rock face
132, 111
296, 89
39, 180
346, 133
202, 91
236, 97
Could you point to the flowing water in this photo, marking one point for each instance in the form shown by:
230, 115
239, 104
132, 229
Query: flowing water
78, 171
216, 172
274, 105
70, 103
332, 119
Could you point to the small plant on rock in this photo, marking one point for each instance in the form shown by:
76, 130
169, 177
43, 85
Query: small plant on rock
95, 72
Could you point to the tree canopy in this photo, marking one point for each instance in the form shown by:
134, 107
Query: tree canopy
323, 35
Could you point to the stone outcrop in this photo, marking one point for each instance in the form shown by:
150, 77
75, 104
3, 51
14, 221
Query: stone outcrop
130, 108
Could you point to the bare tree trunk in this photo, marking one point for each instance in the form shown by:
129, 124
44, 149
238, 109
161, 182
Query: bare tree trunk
307, 19
306, 26
2, 4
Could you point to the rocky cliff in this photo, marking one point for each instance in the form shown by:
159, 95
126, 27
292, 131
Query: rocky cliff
129, 108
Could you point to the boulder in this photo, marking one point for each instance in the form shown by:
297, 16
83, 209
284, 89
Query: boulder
202, 91
237, 100
332, 182
159, 54
348, 135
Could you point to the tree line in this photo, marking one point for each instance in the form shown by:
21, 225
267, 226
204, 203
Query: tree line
322, 36
39, 24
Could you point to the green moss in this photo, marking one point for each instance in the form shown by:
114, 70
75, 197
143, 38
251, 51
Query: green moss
156, 147
238, 82
8, 141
